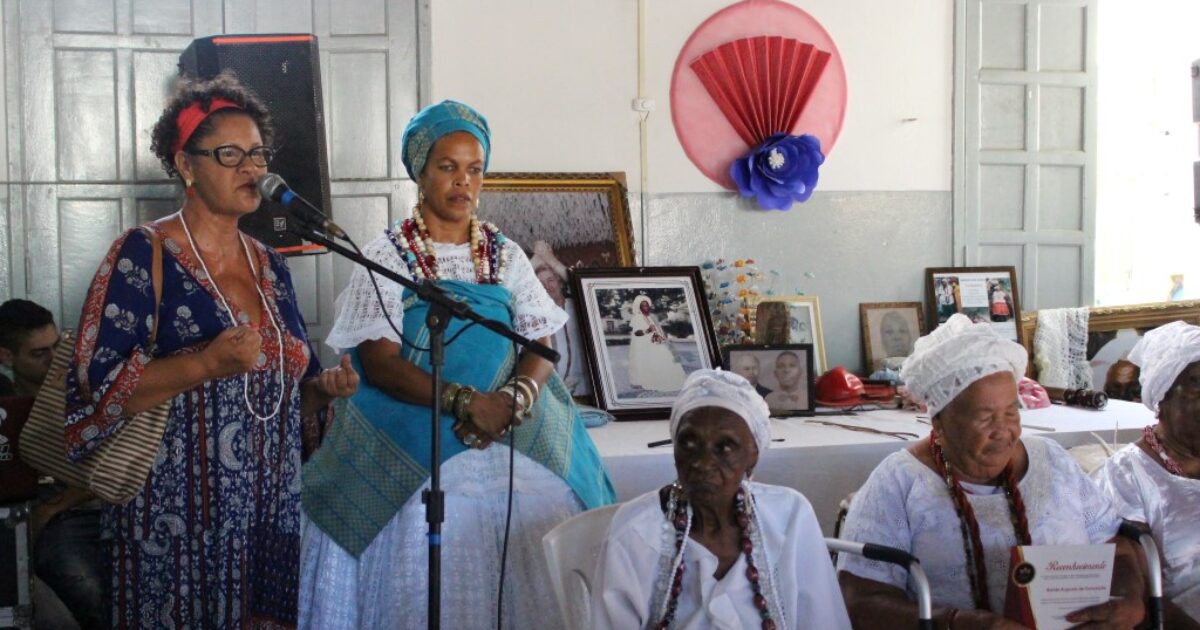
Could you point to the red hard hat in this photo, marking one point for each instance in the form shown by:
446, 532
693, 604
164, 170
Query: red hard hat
839, 388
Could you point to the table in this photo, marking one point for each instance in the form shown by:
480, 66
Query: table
826, 463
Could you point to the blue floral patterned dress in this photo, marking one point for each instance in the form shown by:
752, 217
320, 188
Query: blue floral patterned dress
213, 539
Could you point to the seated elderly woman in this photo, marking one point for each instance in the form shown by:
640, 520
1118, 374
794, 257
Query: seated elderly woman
977, 478
713, 549
1157, 480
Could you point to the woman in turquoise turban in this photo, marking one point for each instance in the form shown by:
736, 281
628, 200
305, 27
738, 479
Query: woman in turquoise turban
364, 553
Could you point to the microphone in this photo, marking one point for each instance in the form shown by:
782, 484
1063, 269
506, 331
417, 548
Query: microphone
272, 186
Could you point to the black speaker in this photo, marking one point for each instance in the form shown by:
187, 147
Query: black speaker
284, 70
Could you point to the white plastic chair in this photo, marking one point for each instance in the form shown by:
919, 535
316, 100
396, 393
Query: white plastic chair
572, 553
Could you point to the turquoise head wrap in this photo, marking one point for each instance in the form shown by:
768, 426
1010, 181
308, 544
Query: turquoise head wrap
435, 121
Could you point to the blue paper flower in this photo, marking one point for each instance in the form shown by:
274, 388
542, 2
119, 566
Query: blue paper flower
779, 171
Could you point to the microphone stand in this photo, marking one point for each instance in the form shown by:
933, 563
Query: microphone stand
441, 308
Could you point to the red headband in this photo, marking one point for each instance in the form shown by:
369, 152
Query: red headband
192, 116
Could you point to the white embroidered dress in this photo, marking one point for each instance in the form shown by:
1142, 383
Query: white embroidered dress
641, 543
905, 504
386, 587
1144, 491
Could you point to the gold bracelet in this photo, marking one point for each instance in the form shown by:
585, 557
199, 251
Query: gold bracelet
535, 389
462, 402
519, 398
449, 393
528, 396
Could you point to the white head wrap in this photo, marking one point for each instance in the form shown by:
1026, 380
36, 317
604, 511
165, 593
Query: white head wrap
1162, 354
956, 354
717, 388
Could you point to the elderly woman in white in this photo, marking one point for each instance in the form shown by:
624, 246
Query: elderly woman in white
962, 498
713, 549
1157, 480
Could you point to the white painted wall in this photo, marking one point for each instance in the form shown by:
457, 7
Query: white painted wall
556, 78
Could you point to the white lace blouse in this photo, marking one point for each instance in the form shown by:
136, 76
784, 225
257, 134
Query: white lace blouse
359, 317
1144, 491
905, 504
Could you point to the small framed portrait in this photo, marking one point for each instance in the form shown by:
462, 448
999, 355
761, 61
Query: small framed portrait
645, 329
563, 221
984, 294
889, 330
782, 374
791, 320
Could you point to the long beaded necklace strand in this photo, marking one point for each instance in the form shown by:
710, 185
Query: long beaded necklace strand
266, 309
680, 514
489, 257
969, 526
1153, 442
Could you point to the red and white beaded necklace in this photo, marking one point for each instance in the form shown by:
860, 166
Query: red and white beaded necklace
1155, 445
416, 246
679, 514
969, 526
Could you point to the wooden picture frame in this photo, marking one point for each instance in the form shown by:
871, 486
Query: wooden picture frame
1112, 332
767, 367
792, 319
984, 294
563, 221
889, 330
637, 376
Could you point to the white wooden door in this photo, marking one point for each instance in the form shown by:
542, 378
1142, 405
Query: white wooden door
1025, 144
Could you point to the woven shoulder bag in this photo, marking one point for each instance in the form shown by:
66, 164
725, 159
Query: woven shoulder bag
117, 470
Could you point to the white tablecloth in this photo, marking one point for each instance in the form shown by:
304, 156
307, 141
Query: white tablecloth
827, 463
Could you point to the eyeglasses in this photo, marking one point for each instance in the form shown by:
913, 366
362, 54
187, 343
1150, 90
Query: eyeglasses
232, 156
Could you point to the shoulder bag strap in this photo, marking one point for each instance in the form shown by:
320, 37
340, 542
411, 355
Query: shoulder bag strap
156, 278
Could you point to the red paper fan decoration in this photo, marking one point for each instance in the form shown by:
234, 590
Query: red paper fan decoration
755, 68
761, 83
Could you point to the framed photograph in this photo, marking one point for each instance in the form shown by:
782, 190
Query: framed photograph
791, 320
889, 330
984, 294
782, 374
563, 221
645, 329
1112, 333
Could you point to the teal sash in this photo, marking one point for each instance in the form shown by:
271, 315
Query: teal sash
376, 453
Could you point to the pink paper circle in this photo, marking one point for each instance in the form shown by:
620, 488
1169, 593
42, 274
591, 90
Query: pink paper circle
708, 139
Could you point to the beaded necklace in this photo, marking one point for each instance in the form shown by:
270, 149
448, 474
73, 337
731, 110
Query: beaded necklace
266, 310
488, 254
1153, 442
969, 526
679, 513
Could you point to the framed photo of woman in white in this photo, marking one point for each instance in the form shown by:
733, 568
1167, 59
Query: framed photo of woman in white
645, 329
792, 319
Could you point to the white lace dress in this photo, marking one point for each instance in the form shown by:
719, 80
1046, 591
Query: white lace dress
1144, 491
905, 504
386, 586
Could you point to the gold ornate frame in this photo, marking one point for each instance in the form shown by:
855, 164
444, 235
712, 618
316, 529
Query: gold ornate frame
610, 184
1109, 318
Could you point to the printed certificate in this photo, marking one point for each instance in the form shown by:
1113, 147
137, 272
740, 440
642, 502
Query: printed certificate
1048, 582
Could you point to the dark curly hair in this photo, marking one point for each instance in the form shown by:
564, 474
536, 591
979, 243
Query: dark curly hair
190, 90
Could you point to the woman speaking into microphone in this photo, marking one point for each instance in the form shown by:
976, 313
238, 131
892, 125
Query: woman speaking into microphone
213, 539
